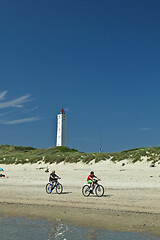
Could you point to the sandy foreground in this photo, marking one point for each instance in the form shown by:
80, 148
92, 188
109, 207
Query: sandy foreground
131, 201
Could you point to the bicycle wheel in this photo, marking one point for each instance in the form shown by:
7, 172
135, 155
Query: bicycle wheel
99, 190
86, 190
48, 188
59, 188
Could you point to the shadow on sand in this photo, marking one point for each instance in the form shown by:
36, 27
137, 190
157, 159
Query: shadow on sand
105, 195
66, 192
61, 193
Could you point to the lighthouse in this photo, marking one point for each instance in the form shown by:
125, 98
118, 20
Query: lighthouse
61, 129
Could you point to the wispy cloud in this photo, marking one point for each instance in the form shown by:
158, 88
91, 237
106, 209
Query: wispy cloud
16, 106
146, 129
22, 120
16, 102
19, 106
3, 114
31, 110
2, 94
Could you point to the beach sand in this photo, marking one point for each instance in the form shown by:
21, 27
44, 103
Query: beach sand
131, 201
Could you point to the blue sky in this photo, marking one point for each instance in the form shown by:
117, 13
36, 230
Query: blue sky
100, 60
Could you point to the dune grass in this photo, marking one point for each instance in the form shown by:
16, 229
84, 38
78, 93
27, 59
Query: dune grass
22, 154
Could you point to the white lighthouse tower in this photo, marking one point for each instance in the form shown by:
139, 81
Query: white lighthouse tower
61, 129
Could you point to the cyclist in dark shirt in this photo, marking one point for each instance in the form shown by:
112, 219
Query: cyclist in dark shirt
53, 179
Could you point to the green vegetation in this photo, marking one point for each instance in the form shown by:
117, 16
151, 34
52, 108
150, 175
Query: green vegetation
21, 155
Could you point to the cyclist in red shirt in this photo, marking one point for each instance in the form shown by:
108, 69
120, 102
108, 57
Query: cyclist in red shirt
90, 180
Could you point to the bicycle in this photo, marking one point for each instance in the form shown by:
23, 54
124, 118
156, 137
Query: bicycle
58, 187
99, 189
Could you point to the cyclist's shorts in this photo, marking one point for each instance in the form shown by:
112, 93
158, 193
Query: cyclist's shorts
90, 181
52, 182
